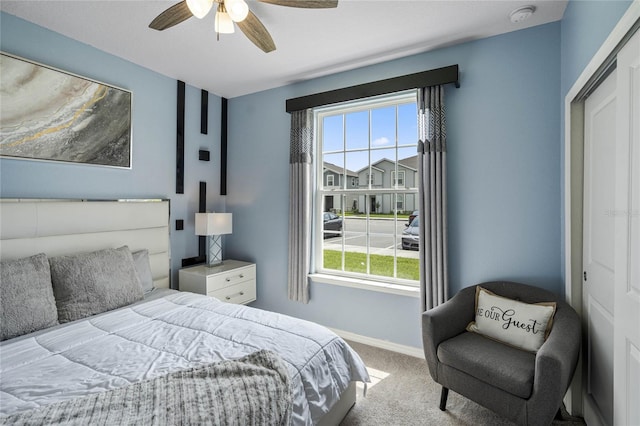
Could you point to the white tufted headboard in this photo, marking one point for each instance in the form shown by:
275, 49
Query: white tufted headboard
61, 227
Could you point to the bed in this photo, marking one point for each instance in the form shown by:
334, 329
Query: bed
122, 345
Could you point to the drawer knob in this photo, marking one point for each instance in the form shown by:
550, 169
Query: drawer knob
241, 293
241, 275
228, 279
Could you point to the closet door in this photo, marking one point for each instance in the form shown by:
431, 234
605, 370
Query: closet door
627, 238
598, 250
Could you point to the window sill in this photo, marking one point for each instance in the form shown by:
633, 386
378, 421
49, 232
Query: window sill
381, 287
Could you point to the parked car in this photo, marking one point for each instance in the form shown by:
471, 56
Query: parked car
332, 225
411, 235
412, 216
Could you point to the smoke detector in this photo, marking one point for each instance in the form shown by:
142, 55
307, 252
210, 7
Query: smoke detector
522, 14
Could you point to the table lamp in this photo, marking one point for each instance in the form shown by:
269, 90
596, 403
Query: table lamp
213, 225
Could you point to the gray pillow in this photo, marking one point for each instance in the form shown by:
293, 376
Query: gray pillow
90, 283
26, 303
143, 268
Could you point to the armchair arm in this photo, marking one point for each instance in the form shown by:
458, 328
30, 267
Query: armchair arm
556, 362
444, 322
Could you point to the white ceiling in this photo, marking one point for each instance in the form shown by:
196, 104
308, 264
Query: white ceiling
310, 42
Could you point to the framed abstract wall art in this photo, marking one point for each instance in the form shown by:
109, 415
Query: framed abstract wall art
52, 115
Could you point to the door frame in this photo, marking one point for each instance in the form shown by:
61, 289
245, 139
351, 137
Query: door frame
596, 70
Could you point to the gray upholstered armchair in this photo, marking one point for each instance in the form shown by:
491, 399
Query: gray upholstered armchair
522, 386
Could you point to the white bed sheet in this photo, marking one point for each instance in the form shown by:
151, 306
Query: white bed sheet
171, 331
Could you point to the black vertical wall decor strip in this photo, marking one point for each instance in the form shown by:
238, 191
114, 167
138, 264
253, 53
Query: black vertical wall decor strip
204, 112
180, 140
202, 251
223, 148
202, 240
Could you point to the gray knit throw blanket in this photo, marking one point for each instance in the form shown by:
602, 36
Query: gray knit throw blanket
253, 390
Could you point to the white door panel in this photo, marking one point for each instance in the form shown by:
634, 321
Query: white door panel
600, 358
633, 386
599, 199
627, 238
598, 254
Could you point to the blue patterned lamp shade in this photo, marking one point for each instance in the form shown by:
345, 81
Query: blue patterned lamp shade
214, 225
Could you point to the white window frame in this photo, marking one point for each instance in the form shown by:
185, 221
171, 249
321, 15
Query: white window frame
330, 180
346, 278
400, 203
397, 182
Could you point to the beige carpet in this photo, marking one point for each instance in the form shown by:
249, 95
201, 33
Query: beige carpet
402, 393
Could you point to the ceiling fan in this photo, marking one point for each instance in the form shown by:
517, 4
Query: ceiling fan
230, 11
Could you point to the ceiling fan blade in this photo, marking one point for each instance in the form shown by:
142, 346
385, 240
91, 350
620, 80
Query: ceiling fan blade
173, 16
308, 4
257, 33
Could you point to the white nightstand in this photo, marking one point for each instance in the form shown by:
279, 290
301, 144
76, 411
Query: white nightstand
233, 281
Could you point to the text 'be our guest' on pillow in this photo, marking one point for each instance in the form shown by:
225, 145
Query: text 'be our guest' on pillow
522, 325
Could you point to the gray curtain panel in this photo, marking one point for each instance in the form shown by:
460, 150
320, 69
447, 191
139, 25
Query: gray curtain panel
432, 189
300, 204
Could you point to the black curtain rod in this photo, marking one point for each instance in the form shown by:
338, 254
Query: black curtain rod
435, 77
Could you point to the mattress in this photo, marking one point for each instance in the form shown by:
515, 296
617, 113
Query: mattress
167, 332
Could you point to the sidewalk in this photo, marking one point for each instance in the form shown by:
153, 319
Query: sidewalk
411, 254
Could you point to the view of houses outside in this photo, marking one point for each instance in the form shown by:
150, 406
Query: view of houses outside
383, 174
367, 188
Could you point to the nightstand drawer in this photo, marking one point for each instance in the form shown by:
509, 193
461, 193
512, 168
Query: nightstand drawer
243, 292
230, 278
233, 281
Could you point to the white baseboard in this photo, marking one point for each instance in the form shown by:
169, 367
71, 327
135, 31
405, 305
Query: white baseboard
379, 343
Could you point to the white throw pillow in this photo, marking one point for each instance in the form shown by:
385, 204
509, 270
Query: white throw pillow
522, 325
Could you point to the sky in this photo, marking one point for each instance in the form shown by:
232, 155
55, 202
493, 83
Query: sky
348, 136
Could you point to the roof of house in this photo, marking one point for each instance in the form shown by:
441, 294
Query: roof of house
339, 170
408, 163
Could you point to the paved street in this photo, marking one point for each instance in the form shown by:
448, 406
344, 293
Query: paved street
381, 237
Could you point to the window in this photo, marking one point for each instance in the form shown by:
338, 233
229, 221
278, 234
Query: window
400, 203
330, 180
371, 178
399, 181
371, 140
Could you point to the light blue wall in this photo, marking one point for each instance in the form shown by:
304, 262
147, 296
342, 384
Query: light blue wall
505, 160
585, 26
154, 136
504, 194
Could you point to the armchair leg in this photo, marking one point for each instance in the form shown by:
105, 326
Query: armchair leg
443, 398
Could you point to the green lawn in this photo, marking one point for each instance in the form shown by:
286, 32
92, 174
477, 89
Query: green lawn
380, 265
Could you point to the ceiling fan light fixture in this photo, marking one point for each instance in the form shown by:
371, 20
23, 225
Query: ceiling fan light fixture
199, 8
224, 24
237, 9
